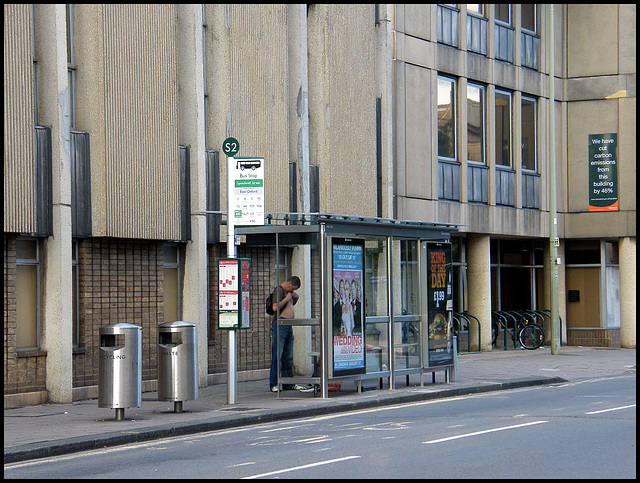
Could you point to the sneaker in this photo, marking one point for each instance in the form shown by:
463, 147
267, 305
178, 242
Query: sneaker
304, 387
274, 388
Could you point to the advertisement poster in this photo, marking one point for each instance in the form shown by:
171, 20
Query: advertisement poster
440, 302
348, 306
603, 172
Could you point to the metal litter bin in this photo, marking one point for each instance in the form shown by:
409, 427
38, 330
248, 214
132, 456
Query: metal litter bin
120, 368
177, 363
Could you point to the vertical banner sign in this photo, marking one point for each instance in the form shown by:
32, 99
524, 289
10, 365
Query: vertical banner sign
440, 303
233, 293
348, 306
603, 172
248, 207
245, 266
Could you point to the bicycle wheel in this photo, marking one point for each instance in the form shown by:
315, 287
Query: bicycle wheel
531, 336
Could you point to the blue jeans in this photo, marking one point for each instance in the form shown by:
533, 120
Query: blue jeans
286, 354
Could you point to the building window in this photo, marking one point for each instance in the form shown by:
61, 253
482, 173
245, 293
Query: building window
529, 17
75, 282
448, 165
529, 134
503, 13
530, 39
504, 33
530, 176
27, 294
475, 123
505, 175
172, 283
477, 170
476, 28
503, 128
448, 24
446, 118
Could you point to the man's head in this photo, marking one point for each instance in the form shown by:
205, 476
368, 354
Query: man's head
291, 284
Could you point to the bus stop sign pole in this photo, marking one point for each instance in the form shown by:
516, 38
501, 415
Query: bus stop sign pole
230, 147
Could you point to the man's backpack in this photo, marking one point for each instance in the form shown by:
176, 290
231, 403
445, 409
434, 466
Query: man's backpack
269, 304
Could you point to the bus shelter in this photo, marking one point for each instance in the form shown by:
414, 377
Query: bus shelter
381, 295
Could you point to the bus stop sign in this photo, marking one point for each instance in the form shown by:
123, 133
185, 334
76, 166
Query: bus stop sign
230, 146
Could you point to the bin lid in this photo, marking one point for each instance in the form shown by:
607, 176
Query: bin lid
118, 328
178, 324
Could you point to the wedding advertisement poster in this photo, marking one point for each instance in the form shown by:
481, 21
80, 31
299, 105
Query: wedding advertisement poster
348, 306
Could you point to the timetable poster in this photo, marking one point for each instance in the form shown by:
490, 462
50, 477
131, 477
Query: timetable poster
233, 293
440, 302
348, 305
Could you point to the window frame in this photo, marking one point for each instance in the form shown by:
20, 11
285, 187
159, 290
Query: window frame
178, 266
454, 108
75, 284
32, 262
453, 11
507, 23
535, 20
534, 101
477, 21
483, 107
509, 94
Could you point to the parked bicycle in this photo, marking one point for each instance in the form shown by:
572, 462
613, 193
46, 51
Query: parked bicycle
529, 334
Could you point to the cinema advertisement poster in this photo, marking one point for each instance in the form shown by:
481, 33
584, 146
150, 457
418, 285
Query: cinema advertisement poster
440, 303
348, 306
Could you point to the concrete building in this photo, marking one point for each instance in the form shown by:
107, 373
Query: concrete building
471, 147
115, 116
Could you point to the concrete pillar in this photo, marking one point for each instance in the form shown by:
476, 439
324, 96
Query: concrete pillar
627, 263
299, 152
53, 111
299, 99
479, 281
192, 133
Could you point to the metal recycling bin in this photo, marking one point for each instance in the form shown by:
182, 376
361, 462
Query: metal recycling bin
177, 362
120, 368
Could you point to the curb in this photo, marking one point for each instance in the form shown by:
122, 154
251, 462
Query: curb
73, 445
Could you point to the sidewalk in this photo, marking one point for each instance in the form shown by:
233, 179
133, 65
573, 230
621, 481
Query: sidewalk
54, 429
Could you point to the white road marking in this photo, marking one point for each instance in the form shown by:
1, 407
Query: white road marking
611, 409
450, 438
312, 465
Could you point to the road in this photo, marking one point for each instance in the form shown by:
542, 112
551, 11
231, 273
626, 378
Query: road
585, 429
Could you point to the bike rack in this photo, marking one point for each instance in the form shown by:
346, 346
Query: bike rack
506, 315
542, 313
465, 316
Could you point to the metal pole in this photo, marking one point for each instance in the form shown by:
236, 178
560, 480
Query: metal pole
231, 253
392, 364
554, 241
325, 332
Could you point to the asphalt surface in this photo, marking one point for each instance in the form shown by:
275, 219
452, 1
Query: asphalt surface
54, 429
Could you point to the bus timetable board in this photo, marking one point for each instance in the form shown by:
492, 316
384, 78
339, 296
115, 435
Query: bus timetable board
248, 195
233, 293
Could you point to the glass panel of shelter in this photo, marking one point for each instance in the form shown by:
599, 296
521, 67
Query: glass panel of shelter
406, 304
376, 305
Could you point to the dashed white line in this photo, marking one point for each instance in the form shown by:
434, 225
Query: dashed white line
286, 470
611, 409
450, 438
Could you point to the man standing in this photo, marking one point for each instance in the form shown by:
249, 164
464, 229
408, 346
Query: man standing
284, 297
